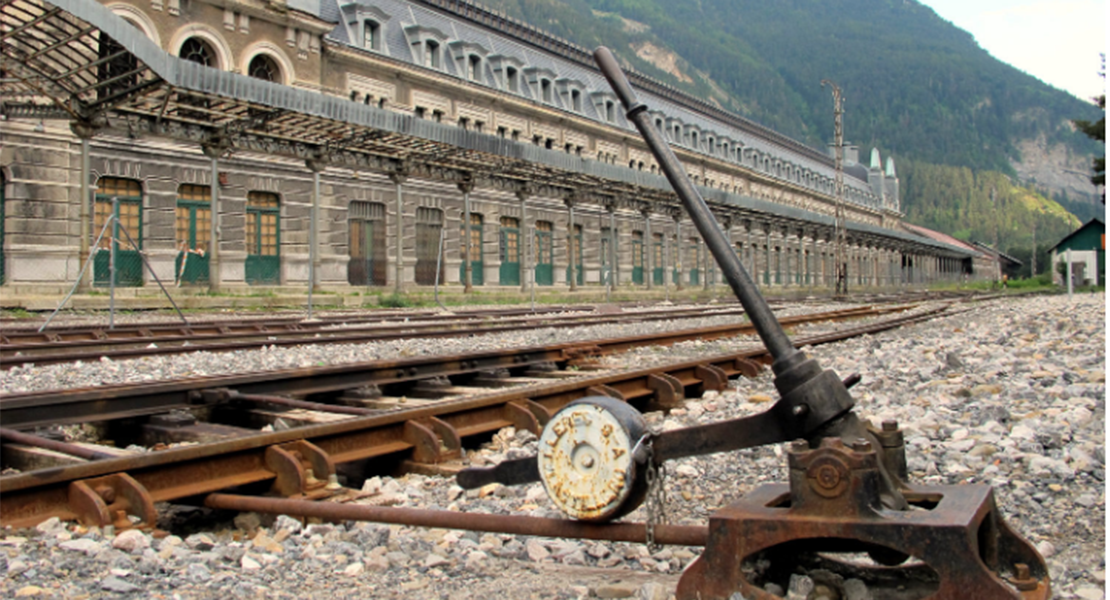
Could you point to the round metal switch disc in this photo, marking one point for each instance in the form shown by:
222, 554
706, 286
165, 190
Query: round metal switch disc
585, 459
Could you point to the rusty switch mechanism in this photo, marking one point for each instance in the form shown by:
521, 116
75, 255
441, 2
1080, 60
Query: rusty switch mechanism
848, 516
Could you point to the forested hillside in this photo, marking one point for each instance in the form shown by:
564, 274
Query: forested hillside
916, 86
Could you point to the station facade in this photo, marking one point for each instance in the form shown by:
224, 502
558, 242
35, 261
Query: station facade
453, 63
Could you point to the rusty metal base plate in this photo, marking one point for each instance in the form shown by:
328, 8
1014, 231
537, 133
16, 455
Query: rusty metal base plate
958, 546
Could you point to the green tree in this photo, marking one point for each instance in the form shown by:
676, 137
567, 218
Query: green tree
1097, 131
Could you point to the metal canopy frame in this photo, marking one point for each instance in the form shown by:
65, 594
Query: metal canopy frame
76, 60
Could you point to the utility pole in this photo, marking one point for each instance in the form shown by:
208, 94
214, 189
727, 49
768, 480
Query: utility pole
1033, 257
994, 212
841, 246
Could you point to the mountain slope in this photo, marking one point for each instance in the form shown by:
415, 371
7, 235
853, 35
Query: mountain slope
915, 85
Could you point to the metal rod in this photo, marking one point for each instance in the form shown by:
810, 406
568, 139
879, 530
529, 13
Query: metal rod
532, 271
772, 334
679, 535
312, 237
1067, 257
647, 250
398, 267
467, 266
112, 243
86, 208
291, 403
149, 268
214, 242
666, 275
439, 263
80, 276
612, 252
18, 437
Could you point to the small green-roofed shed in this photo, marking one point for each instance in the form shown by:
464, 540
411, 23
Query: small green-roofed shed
1088, 252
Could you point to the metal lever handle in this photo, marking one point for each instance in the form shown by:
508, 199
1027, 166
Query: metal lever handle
769, 329
509, 472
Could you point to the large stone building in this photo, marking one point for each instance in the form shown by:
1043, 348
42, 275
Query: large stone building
383, 126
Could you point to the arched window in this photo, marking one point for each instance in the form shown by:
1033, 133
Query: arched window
512, 81
576, 101
610, 114
198, 50
265, 68
545, 90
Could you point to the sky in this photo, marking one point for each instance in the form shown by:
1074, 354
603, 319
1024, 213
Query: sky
1056, 41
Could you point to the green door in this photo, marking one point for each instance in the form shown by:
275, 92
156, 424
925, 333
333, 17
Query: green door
638, 257
263, 231
366, 263
429, 235
509, 251
693, 254
477, 276
657, 259
129, 264
545, 253
676, 254
577, 241
607, 272
193, 230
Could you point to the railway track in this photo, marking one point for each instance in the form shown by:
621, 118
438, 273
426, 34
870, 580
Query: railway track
71, 345
26, 345
338, 419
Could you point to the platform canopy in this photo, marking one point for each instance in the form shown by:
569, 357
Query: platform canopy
77, 60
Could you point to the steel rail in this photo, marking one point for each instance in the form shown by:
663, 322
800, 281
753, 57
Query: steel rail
176, 473
13, 336
22, 411
43, 353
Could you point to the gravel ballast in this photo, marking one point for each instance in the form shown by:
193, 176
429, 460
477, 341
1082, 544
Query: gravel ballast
1010, 393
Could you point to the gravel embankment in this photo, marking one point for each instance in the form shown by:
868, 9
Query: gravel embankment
1011, 394
33, 378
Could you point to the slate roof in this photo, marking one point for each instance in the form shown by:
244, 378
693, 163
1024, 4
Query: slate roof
458, 27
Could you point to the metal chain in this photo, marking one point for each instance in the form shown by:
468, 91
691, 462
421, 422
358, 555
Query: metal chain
656, 498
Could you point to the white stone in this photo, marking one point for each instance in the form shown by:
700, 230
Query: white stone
686, 470
353, 569
536, 550
81, 545
1021, 432
131, 540
434, 560
249, 564
1046, 548
1090, 593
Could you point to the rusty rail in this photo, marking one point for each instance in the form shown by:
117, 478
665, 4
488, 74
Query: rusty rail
428, 434
21, 411
680, 535
93, 344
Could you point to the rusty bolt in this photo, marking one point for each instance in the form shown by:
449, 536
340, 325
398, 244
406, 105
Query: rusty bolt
890, 425
106, 493
799, 446
827, 476
1022, 579
861, 445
